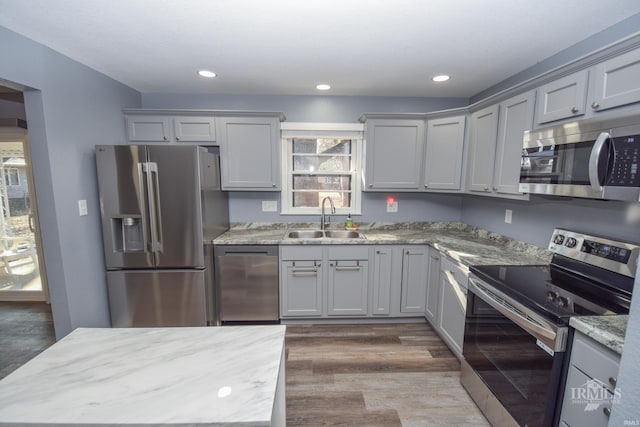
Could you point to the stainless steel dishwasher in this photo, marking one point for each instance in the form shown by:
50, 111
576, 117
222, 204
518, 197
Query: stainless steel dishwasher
247, 284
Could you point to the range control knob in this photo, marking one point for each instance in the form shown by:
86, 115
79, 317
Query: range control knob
571, 242
558, 239
562, 302
552, 296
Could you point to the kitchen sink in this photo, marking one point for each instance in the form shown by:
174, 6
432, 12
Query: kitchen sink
305, 234
342, 234
329, 234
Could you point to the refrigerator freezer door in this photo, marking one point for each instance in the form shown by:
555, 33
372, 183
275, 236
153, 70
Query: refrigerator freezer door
124, 206
175, 196
157, 298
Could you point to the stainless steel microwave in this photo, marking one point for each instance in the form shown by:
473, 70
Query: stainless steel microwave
594, 158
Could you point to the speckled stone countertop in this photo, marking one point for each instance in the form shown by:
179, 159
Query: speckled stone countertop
607, 330
464, 243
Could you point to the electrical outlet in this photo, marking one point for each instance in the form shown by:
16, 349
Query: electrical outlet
507, 216
82, 207
269, 206
392, 206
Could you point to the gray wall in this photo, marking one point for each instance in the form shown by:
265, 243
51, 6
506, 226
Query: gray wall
69, 109
534, 220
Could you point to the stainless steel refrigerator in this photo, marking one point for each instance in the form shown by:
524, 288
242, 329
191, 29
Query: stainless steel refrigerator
161, 206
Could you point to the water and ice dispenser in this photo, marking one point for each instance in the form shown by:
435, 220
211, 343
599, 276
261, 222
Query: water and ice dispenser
128, 234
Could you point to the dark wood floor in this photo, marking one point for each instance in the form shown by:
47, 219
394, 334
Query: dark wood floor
26, 329
374, 375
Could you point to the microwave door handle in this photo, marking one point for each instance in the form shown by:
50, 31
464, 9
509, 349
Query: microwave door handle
594, 160
547, 336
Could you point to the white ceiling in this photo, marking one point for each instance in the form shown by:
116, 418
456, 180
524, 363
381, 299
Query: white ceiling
360, 47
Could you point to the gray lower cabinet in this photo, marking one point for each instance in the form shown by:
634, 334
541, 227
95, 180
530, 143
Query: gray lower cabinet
415, 269
249, 153
444, 153
347, 280
301, 278
591, 380
394, 152
165, 128
453, 304
433, 288
382, 279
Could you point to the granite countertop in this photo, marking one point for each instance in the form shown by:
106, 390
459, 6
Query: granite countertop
149, 376
466, 244
607, 330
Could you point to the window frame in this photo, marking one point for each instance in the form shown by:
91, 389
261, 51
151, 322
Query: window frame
352, 131
7, 174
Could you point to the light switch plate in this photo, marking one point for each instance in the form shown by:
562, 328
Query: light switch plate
392, 207
507, 215
82, 207
269, 206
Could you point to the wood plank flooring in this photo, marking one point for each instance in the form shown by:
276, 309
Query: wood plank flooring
376, 375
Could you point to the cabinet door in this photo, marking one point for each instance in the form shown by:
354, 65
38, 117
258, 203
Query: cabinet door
347, 287
148, 128
249, 153
516, 116
194, 129
433, 288
562, 98
382, 279
415, 269
394, 154
301, 288
575, 413
482, 148
443, 161
453, 302
617, 82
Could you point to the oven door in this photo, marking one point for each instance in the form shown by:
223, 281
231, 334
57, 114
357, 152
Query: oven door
517, 355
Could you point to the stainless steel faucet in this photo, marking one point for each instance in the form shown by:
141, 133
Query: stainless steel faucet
323, 221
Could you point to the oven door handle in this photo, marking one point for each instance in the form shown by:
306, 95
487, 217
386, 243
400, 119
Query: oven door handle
544, 333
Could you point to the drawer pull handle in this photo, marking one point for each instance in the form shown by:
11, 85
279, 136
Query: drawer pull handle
347, 267
606, 411
613, 381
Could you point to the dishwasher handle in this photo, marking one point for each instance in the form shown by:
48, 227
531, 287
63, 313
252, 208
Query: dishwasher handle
245, 250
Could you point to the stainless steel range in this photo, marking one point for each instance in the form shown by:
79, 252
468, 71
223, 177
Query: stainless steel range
517, 323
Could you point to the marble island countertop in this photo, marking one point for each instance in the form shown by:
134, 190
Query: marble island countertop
607, 330
466, 244
150, 376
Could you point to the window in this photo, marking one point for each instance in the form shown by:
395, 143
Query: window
11, 176
321, 160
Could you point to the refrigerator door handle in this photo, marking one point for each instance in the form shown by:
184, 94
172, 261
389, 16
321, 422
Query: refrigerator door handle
143, 203
151, 169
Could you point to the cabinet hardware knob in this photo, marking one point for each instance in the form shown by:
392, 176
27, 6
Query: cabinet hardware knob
408, 253
495, 188
273, 185
606, 411
613, 381
486, 188
378, 252
165, 138
177, 138
595, 105
574, 110
426, 186
436, 258
370, 185
330, 264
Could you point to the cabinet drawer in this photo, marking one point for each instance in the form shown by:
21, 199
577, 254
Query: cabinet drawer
459, 272
596, 360
293, 253
351, 252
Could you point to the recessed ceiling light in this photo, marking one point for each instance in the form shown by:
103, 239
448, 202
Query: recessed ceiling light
323, 86
206, 73
441, 78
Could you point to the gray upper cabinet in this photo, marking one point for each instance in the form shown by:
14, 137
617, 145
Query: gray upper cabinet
249, 153
516, 116
617, 82
394, 152
562, 98
163, 128
444, 153
482, 146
